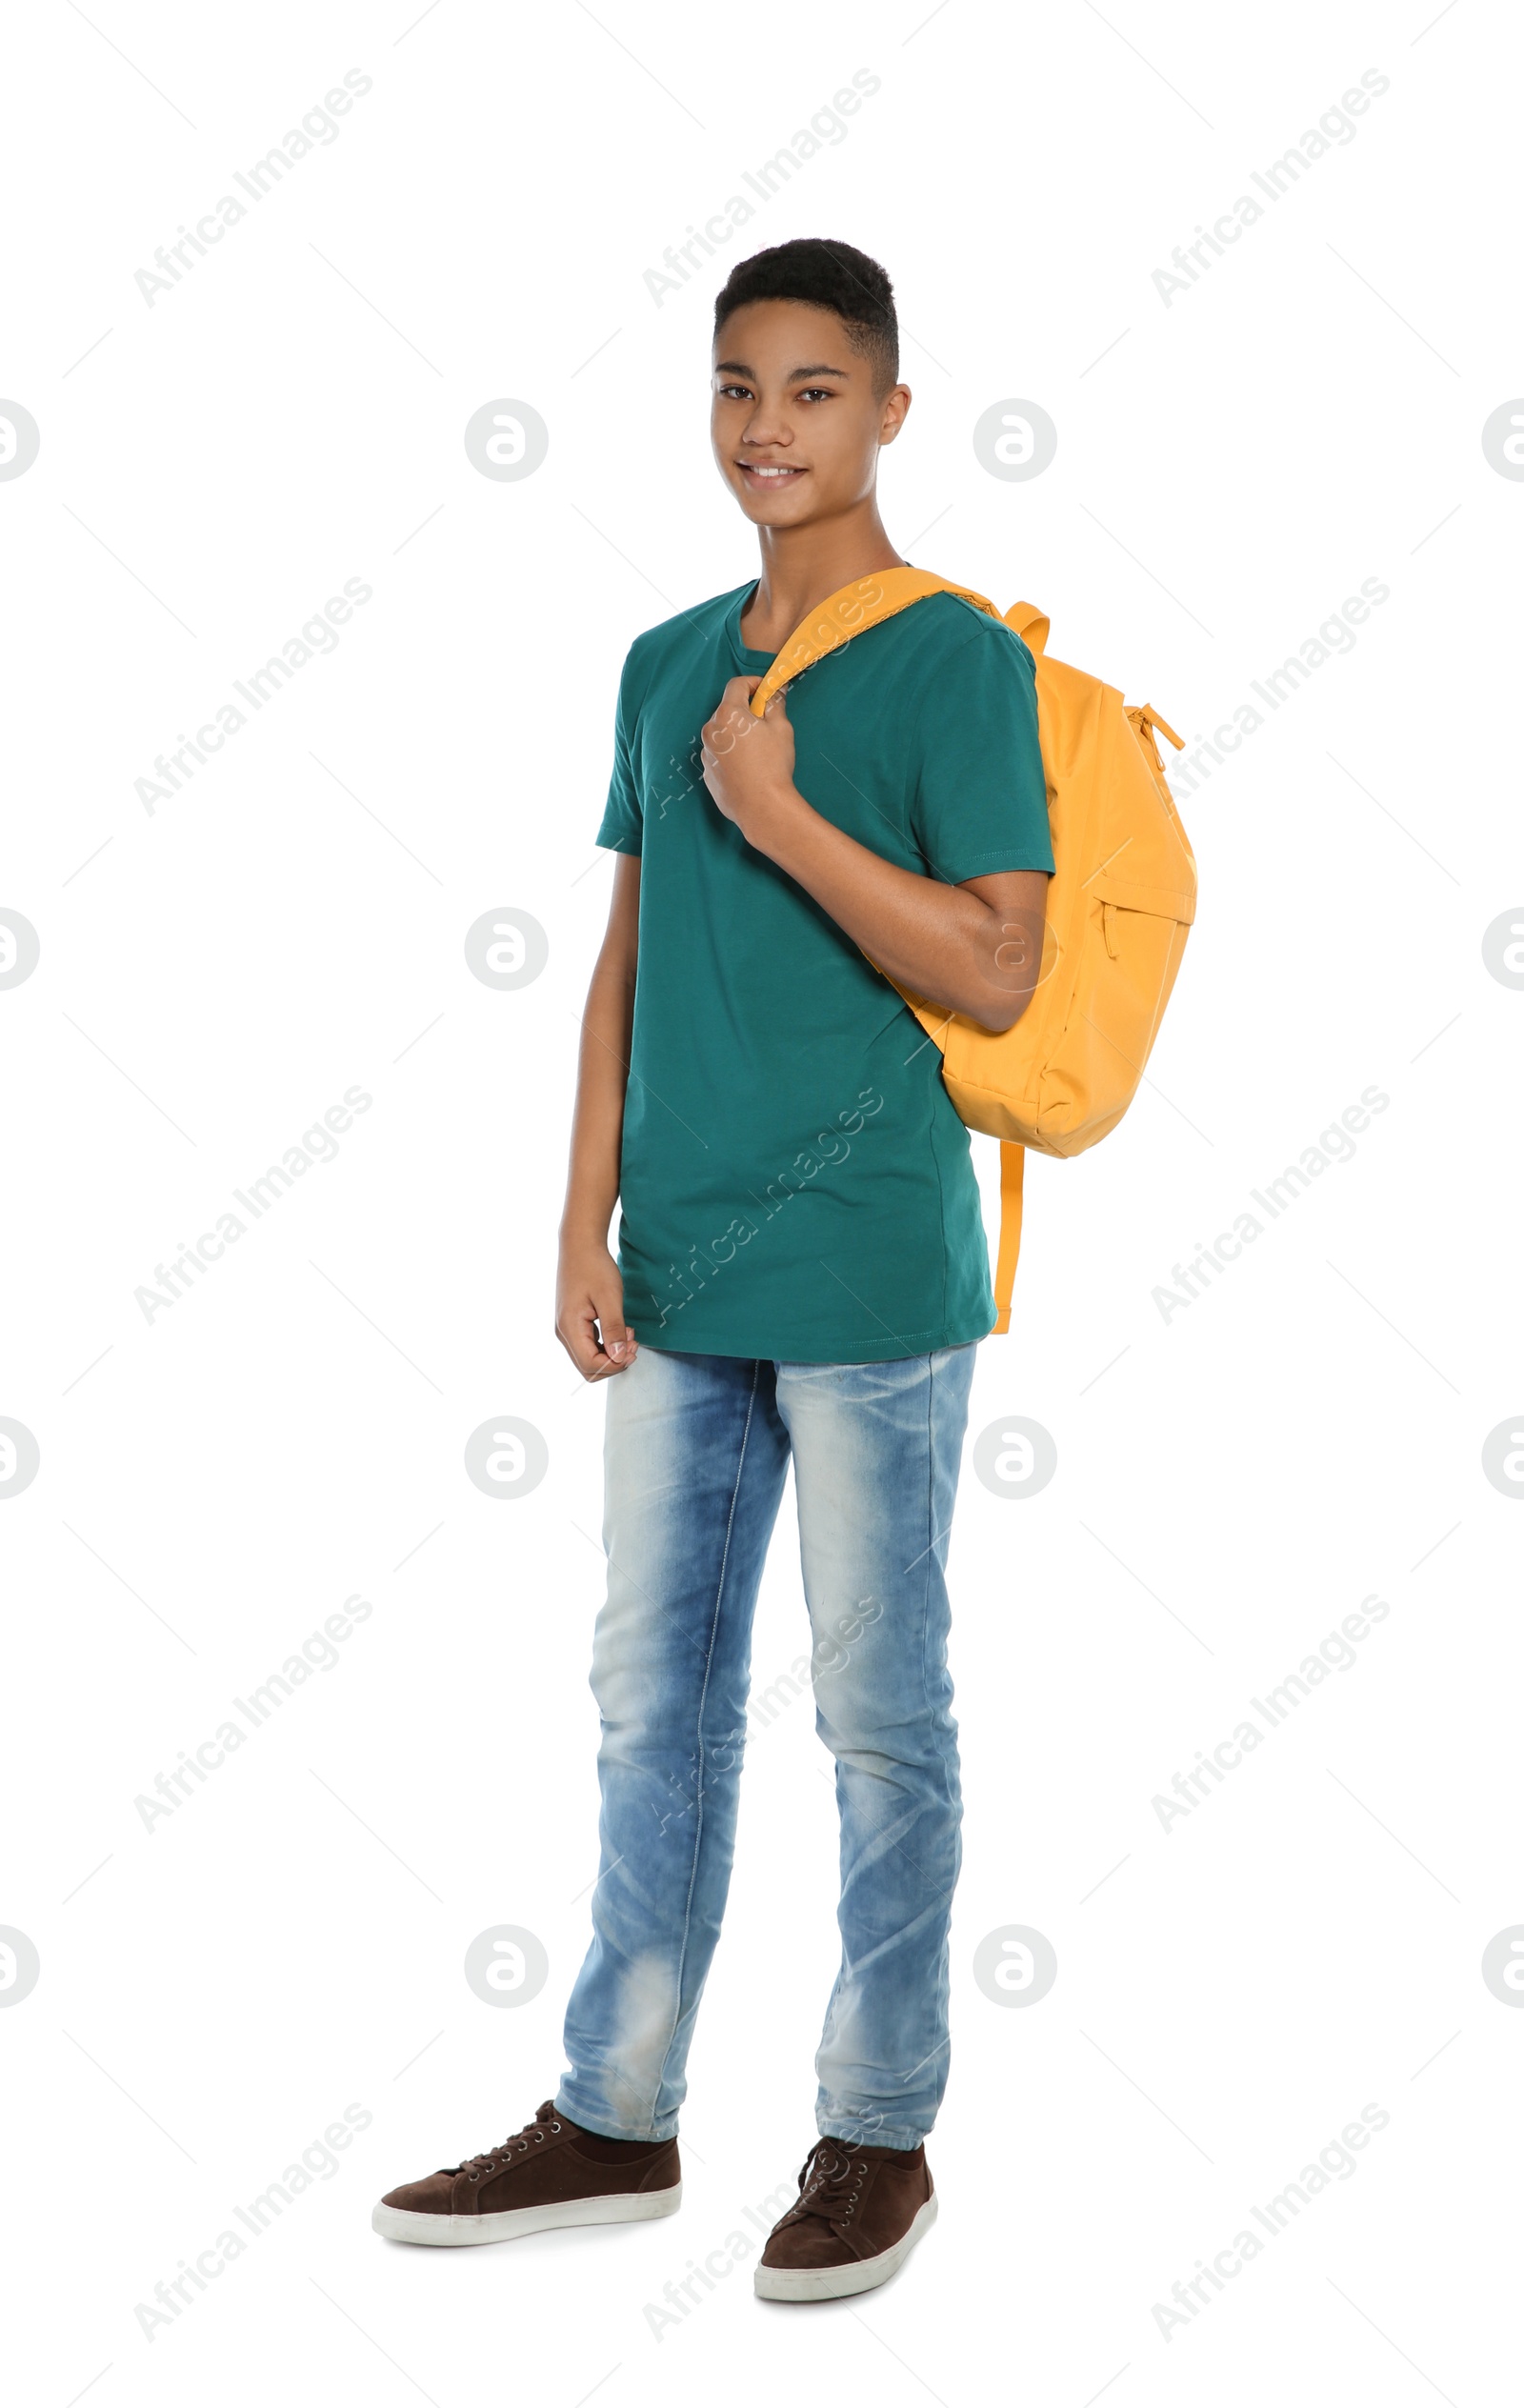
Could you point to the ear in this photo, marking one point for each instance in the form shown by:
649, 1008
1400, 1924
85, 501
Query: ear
896, 402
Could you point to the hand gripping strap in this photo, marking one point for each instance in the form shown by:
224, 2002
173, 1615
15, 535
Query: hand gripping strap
835, 621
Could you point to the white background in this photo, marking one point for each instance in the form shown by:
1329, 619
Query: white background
1231, 1483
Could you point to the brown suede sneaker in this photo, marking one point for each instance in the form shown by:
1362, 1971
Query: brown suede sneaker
550, 2174
859, 2214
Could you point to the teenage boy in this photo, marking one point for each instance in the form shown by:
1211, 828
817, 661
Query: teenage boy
802, 1275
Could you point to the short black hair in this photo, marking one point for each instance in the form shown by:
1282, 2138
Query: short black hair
827, 275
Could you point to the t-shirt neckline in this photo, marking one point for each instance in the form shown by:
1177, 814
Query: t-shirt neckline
755, 664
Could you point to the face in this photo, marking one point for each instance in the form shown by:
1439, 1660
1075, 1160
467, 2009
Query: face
796, 426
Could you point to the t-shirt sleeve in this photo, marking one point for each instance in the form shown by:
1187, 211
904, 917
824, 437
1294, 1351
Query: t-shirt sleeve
979, 802
619, 830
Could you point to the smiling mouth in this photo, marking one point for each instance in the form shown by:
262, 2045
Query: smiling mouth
768, 475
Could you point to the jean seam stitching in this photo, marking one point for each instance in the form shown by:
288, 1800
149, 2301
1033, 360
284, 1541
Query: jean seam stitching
954, 1806
703, 1697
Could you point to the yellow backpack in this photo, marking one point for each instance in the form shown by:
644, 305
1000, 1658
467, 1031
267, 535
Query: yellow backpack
1121, 897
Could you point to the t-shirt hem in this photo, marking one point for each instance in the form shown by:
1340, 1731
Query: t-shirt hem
895, 1349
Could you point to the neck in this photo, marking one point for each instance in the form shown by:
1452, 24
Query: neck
802, 565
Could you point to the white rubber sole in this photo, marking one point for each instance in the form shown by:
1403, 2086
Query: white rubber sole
843, 2282
463, 2232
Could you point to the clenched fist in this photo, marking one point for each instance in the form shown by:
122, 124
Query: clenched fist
749, 762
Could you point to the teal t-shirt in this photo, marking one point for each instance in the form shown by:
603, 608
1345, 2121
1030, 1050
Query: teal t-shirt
795, 1180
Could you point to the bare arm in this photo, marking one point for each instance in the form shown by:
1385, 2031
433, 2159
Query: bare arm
590, 1318
976, 948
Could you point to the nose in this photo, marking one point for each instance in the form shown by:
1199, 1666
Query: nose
764, 431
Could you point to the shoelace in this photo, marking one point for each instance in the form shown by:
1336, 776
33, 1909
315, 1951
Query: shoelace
488, 2160
829, 2184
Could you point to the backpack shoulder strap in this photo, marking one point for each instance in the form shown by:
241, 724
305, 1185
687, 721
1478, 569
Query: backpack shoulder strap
842, 615
1013, 1163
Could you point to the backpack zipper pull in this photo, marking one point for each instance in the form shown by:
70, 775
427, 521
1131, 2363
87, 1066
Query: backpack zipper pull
1145, 719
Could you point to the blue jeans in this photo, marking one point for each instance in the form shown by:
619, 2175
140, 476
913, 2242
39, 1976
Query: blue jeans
695, 1452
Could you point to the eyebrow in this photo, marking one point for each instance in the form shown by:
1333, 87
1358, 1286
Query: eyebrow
795, 375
